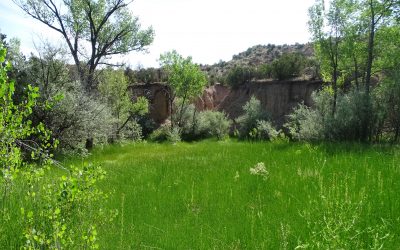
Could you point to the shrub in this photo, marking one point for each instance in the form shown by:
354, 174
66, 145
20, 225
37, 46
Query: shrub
264, 71
78, 117
213, 124
198, 125
239, 75
39, 212
132, 131
304, 123
288, 66
264, 131
166, 133
319, 123
252, 114
66, 212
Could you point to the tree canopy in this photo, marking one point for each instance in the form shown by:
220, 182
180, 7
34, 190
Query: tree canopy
93, 30
184, 77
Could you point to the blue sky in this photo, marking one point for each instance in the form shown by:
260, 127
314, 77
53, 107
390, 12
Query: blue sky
207, 30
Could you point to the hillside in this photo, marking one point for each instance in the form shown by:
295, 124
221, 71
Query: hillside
256, 56
253, 57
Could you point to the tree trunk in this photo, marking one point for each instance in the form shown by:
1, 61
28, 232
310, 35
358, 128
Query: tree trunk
365, 124
356, 71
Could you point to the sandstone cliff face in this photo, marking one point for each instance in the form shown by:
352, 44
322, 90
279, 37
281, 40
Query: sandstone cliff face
278, 98
212, 97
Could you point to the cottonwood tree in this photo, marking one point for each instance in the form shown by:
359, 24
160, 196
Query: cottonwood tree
94, 30
377, 13
185, 79
327, 26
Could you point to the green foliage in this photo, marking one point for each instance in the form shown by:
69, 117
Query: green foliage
304, 123
264, 71
166, 133
185, 79
66, 212
44, 213
15, 128
239, 75
386, 100
213, 124
114, 88
288, 66
108, 27
253, 112
149, 75
264, 131
317, 123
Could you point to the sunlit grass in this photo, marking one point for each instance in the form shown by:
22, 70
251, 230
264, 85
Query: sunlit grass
202, 196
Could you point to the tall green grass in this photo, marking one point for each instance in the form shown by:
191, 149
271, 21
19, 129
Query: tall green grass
202, 196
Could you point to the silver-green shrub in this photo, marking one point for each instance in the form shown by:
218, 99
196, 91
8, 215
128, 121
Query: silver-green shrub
319, 122
213, 124
265, 131
253, 113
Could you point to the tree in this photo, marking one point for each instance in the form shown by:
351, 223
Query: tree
185, 79
93, 30
114, 88
377, 13
327, 29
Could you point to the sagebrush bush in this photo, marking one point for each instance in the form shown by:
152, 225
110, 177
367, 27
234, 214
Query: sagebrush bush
197, 125
319, 123
265, 131
166, 133
253, 112
304, 123
78, 117
132, 131
213, 124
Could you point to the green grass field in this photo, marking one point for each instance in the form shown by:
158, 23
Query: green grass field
202, 196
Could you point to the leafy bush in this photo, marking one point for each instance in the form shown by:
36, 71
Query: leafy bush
239, 75
64, 213
65, 108
320, 123
264, 71
386, 103
304, 123
132, 131
78, 117
40, 212
166, 133
213, 124
288, 66
264, 131
198, 125
253, 113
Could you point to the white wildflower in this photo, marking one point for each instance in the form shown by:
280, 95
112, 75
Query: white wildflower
260, 170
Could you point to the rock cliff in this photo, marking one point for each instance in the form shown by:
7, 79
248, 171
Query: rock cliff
278, 98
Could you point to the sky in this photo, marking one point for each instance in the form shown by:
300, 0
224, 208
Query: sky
206, 30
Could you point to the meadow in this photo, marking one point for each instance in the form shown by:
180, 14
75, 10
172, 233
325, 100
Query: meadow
203, 195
